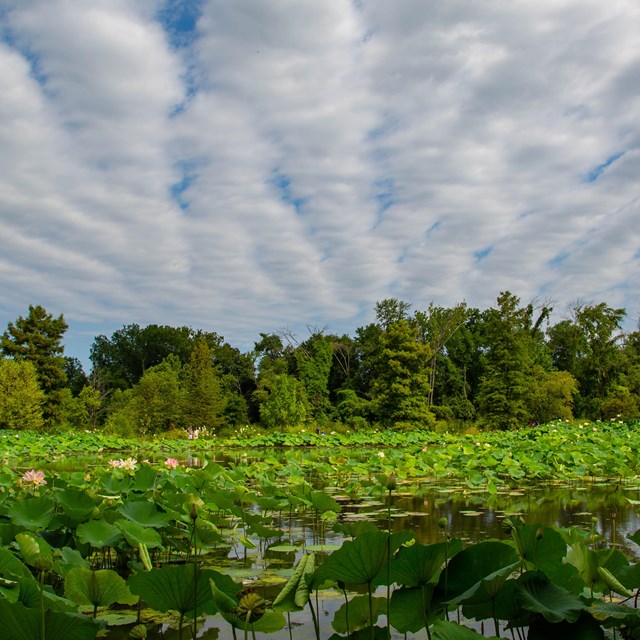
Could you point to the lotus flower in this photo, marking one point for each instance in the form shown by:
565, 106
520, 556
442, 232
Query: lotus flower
171, 463
33, 478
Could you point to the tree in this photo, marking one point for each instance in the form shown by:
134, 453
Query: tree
76, 377
314, 358
123, 358
38, 339
400, 389
157, 402
588, 347
437, 327
514, 344
286, 406
205, 401
21, 398
391, 310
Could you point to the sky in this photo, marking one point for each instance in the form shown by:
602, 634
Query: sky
251, 166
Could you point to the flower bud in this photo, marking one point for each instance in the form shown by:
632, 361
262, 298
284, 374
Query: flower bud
391, 482
193, 514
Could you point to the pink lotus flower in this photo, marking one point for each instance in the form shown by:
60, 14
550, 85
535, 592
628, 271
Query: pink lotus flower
171, 463
33, 478
115, 464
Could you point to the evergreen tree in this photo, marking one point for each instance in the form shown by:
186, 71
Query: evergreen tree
38, 339
21, 398
205, 401
400, 389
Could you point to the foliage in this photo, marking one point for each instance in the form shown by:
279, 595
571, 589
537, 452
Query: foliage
21, 398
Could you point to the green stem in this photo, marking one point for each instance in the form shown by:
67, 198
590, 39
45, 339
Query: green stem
316, 624
423, 604
42, 626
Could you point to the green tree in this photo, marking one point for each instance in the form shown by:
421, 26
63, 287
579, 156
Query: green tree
550, 395
400, 389
205, 401
286, 406
514, 343
314, 358
38, 339
21, 398
589, 347
437, 326
157, 402
123, 358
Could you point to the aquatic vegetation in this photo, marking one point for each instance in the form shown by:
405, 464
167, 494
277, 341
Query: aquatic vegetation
79, 544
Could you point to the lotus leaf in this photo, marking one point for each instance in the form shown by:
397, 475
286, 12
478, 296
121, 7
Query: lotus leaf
135, 534
585, 628
98, 588
360, 561
536, 593
354, 615
22, 623
146, 514
418, 564
99, 534
445, 630
410, 607
183, 588
32, 513
295, 593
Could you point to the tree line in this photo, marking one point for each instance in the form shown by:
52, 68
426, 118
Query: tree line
503, 367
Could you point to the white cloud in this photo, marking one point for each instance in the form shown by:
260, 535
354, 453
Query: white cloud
295, 162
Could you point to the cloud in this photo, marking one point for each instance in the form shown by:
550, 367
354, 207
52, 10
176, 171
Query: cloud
243, 166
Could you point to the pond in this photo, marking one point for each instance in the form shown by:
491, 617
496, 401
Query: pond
471, 515
418, 505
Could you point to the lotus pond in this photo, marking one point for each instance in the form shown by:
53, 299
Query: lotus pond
520, 534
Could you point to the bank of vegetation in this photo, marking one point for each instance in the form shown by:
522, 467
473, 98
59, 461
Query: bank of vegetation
442, 368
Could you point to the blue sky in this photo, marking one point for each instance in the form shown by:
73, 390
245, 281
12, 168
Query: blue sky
255, 165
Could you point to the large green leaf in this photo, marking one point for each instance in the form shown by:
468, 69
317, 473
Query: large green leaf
444, 630
77, 505
32, 513
146, 514
135, 534
536, 593
410, 607
545, 548
585, 628
11, 566
354, 615
99, 534
295, 593
487, 562
35, 551
361, 560
98, 588
22, 623
182, 588
418, 564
